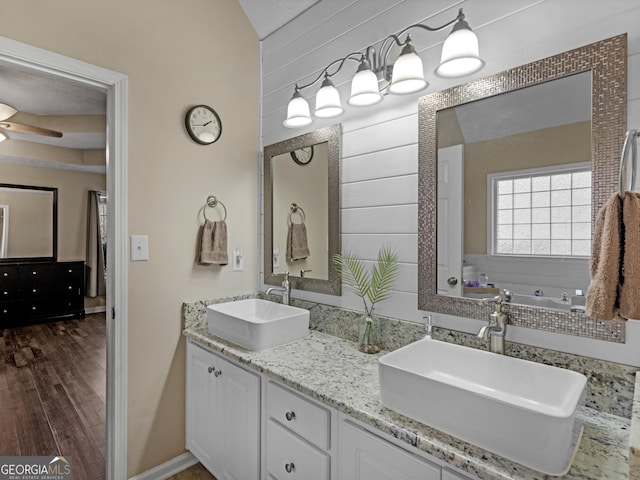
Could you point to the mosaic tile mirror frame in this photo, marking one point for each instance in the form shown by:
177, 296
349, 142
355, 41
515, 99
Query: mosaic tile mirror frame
607, 62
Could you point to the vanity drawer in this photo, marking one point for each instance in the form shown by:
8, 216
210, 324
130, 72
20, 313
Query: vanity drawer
290, 457
310, 421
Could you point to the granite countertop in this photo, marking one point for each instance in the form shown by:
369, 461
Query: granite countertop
333, 371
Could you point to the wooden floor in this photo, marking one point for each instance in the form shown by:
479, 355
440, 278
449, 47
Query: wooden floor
197, 472
52, 392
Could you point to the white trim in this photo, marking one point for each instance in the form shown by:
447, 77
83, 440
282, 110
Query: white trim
115, 85
4, 231
90, 310
168, 469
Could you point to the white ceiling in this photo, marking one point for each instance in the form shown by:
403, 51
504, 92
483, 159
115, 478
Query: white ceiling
39, 94
267, 16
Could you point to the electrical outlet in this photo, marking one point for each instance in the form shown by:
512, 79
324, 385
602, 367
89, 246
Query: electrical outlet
238, 260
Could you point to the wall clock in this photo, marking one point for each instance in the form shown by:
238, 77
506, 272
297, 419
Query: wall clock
203, 124
303, 155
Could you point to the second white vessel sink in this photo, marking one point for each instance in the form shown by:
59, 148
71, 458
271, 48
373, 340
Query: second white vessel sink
257, 324
521, 410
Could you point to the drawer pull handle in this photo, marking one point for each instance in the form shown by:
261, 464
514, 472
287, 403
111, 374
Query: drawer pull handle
70, 271
290, 416
211, 369
218, 373
34, 290
5, 311
289, 467
35, 273
70, 287
6, 293
33, 308
6, 274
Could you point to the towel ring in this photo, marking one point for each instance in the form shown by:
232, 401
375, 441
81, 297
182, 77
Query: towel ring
630, 140
213, 202
295, 208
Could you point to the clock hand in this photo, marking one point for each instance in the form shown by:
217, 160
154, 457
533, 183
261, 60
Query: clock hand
203, 125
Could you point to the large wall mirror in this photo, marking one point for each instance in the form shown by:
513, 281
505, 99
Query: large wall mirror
513, 170
302, 210
28, 223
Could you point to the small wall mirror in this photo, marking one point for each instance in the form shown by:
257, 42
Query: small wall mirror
28, 223
513, 169
302, 210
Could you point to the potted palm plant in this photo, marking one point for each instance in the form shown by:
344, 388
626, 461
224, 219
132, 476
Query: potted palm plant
372, 286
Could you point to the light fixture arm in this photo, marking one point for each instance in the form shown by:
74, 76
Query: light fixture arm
325, 70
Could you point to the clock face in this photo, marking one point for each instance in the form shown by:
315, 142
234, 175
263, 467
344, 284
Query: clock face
303, 155
203, 124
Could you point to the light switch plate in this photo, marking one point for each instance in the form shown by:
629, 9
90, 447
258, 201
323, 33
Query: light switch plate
139, 248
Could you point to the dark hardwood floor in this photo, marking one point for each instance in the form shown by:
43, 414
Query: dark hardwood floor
197, 472
52, 392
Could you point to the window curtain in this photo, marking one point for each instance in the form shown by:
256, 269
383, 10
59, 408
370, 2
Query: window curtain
95, 249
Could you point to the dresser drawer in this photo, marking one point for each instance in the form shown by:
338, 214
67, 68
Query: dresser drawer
290, 457
310, 421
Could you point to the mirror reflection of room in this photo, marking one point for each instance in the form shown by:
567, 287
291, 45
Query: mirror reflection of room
525, 188
305, 186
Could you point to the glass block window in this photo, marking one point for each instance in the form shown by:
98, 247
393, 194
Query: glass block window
542, 212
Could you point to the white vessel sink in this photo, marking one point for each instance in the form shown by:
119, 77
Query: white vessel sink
521, 410
257, 324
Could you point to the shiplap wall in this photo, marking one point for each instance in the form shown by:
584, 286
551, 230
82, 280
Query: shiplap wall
379, 150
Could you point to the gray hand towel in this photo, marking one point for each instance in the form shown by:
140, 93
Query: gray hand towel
605, 261
214, 243
297, 246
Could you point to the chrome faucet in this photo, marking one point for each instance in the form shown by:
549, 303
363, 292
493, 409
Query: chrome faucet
285, 290
496, 330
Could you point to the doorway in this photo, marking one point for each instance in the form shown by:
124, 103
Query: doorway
114, 85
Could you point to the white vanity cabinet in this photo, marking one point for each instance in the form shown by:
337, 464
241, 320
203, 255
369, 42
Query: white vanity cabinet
223, 415
365, 456
298, 436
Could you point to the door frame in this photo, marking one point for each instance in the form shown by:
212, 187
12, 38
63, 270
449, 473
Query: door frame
114, 84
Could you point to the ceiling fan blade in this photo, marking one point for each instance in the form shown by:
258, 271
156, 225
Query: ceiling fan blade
6, 111
23, 128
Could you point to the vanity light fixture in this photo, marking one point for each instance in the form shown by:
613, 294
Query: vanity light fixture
375, 76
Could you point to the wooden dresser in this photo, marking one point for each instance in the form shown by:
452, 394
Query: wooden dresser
38, 292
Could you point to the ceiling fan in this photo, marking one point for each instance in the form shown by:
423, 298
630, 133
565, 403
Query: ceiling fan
7, 111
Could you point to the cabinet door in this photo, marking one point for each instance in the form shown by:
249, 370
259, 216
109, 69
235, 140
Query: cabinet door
364, 456
239, 427
202, 411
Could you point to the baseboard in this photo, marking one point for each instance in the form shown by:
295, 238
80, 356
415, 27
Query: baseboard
91, 310
167, 469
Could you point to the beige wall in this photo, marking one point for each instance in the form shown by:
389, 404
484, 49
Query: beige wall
72, 203
175, 54
541, 148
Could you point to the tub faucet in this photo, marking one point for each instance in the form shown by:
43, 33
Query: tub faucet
285, 290
496, 329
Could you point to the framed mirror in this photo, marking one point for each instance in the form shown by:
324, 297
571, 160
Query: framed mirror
28, 223
513, 169
302, 210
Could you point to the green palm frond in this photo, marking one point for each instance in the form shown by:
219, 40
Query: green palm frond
374, 286
351, 271
383, 275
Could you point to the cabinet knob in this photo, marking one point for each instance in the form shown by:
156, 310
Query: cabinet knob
70, 271
5, 274
218, 373
70, 287
33, 308
35, 290
290, 416
34, 273
289, 467
6, 293
211, 369
5, 311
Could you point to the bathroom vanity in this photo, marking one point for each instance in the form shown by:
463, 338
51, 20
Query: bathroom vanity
311, 410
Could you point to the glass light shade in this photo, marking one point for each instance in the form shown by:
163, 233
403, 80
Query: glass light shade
298, 112
328, 101
364, 87
408, 73
459, 54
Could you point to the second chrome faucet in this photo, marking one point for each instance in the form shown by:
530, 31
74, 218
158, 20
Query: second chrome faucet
496, 330
285, 290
